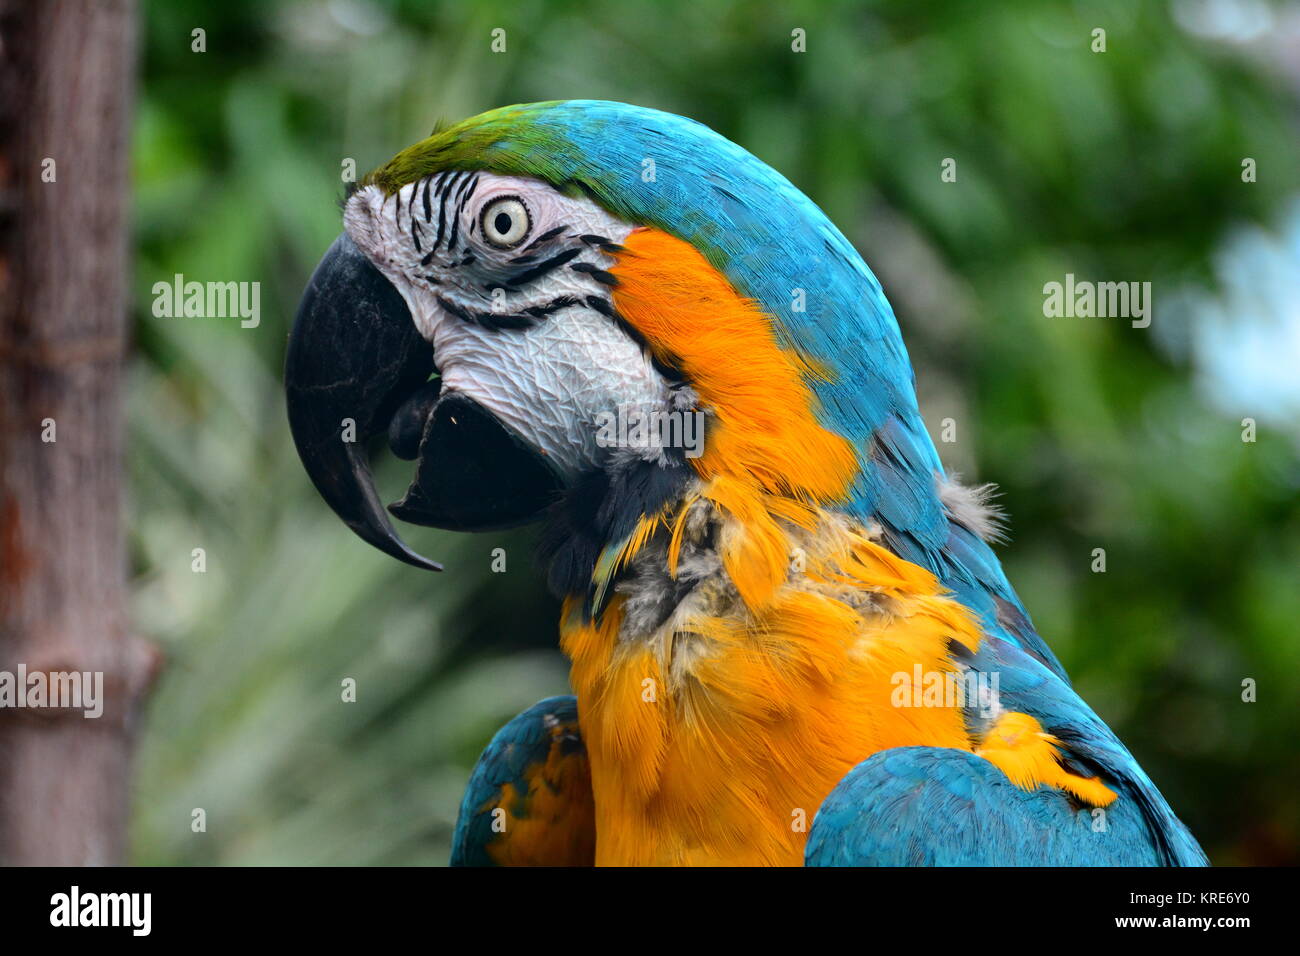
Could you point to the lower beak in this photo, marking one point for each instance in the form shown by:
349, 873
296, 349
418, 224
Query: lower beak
357, 367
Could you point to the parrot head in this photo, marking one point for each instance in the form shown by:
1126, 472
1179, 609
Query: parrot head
508, 286
467, 315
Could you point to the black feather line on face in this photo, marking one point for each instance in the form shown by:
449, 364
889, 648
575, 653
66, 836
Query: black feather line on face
442, 212
542, 268
467, 187
555, 305
497, 321
597, 273
605, 245
544, 237
455, 228
606, 308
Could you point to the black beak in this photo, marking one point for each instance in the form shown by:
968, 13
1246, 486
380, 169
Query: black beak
354, 356
357, 367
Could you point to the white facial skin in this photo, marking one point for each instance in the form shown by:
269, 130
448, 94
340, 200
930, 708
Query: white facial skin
548, 381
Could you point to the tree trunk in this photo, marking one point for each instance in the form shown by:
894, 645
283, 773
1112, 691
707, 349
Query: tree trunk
66, 77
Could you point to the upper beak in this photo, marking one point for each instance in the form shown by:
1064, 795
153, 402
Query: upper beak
356, 367
354, 356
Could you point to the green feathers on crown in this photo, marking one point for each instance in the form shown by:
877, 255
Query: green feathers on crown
505, 140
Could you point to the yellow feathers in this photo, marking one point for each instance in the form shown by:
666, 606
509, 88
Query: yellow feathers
1018, 746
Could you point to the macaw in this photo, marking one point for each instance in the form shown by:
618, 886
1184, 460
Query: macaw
791, 641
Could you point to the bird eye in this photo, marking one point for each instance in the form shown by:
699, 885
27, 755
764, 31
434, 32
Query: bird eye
505, 222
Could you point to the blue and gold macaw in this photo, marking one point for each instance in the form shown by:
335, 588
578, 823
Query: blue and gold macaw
790, 639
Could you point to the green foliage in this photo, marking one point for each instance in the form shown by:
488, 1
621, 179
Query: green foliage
1123, 165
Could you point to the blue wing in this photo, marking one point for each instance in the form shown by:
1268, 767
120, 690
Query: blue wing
1027, 685
529, 801
929, 806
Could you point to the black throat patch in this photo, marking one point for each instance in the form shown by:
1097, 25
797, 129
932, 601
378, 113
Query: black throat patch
601, 509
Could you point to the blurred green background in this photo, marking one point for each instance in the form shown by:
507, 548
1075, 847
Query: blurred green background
1123, 165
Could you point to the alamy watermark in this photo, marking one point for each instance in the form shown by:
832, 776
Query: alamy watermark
133, 911
179, 299
974, 690
652, 429
1102, 300
53, 690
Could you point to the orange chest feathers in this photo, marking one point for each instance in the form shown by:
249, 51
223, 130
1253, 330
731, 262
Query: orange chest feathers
714, 736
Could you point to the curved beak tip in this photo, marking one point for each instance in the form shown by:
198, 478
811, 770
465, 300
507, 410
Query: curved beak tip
403, 553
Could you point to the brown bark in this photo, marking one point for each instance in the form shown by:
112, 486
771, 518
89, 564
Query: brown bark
66, 76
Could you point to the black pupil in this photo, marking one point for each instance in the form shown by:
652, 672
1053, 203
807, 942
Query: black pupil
502, 223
